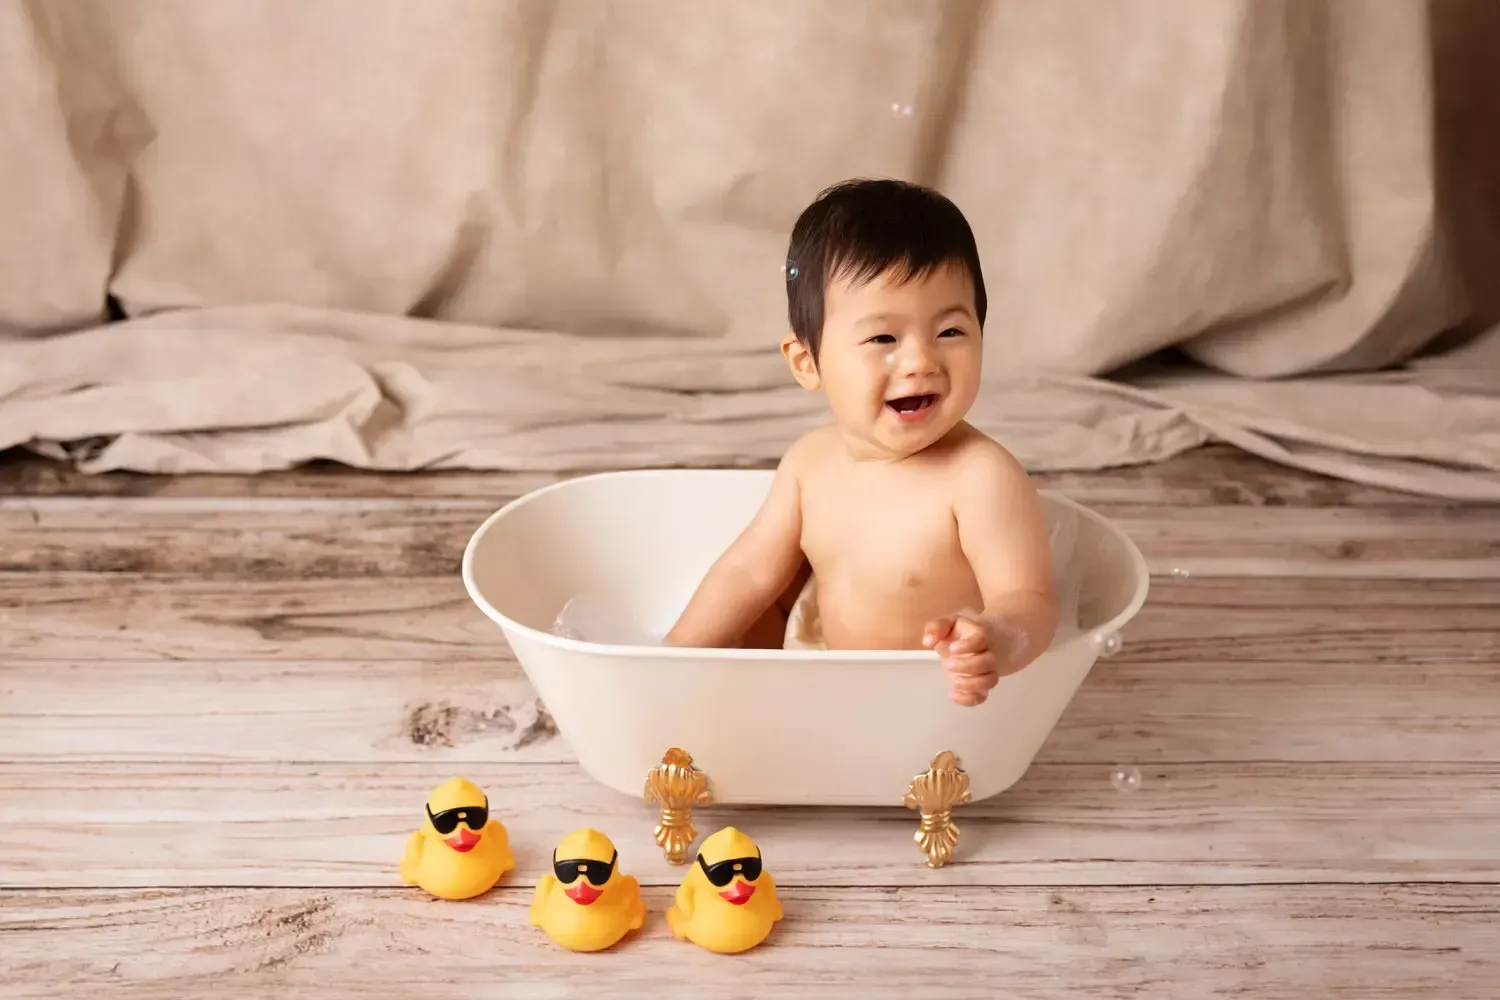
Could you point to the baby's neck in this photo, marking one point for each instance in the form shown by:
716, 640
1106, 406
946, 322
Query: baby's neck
862, 452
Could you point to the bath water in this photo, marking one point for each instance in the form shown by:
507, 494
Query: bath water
594, 617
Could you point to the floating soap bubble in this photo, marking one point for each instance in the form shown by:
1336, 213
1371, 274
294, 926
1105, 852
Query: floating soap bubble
1125, 778
563, 625
789, 269
1179, 573
1107, 643
592, 618
903, 110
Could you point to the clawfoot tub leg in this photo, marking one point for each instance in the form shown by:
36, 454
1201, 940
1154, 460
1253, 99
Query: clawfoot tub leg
935, 793
677, 786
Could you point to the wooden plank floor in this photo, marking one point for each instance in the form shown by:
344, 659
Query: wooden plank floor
223, 701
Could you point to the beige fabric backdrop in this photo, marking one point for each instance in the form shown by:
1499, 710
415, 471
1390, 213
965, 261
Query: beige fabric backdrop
538, 234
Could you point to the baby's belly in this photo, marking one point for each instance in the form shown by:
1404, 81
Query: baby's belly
855, 615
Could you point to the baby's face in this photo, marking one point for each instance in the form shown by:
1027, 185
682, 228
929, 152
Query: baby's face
900, 362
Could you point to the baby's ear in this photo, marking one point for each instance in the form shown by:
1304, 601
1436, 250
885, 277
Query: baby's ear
800, 360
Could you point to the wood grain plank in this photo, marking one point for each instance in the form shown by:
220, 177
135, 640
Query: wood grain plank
1266, 942
232, 635
1216, 475
142, 825
30, 476
128, 617
237, 710
302, 538
47, 616
1131, 709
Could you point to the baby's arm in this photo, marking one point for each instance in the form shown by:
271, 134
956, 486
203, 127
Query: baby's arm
753, 572
1003, 532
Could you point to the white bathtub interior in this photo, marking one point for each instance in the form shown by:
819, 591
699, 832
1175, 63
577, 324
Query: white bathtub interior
600, 617
770, 726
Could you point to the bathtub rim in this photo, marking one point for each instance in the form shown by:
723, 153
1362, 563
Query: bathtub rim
623, 651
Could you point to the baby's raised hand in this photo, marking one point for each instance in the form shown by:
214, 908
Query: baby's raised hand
976, 650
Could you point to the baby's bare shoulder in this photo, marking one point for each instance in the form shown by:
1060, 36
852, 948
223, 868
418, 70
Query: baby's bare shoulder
811, 451
984, 470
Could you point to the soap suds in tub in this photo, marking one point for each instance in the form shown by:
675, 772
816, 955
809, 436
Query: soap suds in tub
591, 618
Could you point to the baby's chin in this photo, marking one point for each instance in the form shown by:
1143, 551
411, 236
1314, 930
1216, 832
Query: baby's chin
882, 441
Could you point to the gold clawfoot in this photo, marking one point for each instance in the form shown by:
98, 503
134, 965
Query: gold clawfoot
935, 794
677, 786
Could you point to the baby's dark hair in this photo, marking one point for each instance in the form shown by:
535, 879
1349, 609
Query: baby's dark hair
860, 229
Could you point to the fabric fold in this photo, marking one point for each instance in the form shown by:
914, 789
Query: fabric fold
549, 236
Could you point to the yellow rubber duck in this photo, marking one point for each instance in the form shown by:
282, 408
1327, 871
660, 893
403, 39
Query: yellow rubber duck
727, 903
460, 852
586, 904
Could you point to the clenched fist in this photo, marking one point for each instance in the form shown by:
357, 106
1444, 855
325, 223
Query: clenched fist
976, 650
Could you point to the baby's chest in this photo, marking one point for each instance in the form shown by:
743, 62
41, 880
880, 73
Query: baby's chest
897, 536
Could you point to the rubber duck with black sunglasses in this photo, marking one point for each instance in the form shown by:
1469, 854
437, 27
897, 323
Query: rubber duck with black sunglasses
727, 903
587, 903
461, 851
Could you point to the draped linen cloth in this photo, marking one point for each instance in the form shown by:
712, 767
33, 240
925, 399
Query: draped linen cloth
549, 234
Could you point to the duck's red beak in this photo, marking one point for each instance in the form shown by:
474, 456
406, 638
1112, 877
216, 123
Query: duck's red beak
463, 841
739, 893
582, 893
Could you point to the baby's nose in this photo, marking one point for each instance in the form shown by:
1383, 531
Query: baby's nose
918, 358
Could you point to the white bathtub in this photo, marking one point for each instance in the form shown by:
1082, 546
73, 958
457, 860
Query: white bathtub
766, 726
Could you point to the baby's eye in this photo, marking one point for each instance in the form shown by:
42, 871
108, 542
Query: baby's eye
881, 338
952, 331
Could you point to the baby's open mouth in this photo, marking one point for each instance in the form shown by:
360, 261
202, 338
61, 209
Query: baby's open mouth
912, 404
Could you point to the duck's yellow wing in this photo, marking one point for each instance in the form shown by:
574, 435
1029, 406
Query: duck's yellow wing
539, 898
411, 861
635, 910
775, 897
504, 857
681, 910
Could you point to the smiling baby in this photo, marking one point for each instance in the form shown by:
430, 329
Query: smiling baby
898, 525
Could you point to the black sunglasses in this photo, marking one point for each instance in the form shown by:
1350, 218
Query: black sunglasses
597, 872
474, 817
723, 873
